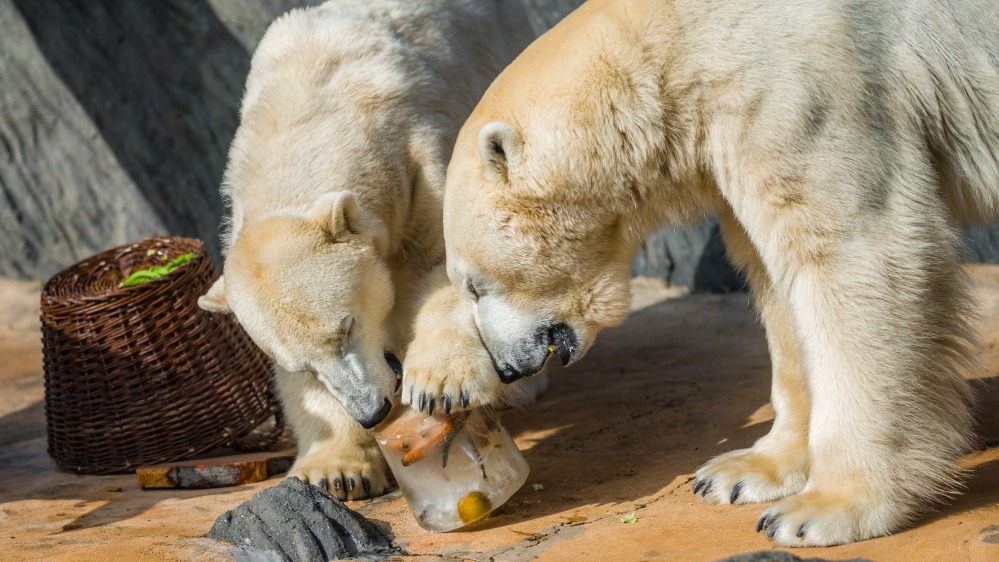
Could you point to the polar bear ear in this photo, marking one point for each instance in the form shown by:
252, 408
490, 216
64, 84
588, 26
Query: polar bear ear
340, 213
500, 147
215, 299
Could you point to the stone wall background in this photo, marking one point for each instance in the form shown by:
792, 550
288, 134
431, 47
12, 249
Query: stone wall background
116, 115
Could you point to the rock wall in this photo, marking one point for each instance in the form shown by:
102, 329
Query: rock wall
115, 118
118, 115
65, 194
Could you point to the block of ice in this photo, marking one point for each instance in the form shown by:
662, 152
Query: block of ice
453, 470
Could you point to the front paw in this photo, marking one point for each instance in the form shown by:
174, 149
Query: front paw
446, 367
455, 376
753, 475
348, 470
827, 518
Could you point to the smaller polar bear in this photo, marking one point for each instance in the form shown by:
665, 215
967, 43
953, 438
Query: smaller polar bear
335, 182
838, 142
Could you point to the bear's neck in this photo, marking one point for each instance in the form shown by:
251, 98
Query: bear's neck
613, 81
647, 117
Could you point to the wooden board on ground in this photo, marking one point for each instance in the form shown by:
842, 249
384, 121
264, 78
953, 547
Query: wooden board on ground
216, 472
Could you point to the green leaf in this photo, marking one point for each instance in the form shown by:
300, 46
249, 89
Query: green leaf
139, 277
537, 487
156, 271
180, 260
630, 518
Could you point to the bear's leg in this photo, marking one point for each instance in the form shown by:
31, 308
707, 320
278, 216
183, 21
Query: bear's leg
776, 466
334, 451
446, 367
879, 302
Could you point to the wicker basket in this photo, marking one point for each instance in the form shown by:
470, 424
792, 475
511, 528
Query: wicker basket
141, 375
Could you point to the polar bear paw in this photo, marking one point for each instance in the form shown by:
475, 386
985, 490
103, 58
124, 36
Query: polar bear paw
439, 381
449, 379
348, 471
753, 475
820, 518
446, 368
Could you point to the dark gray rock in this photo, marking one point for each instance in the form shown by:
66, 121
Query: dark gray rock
779, 556
296, 521
248, 19
981, 244
544, 14
692, 257
161, 82
63, 193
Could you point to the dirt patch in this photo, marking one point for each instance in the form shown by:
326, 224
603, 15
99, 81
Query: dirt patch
616, 437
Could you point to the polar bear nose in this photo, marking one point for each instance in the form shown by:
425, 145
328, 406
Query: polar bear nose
378, 417
563, 342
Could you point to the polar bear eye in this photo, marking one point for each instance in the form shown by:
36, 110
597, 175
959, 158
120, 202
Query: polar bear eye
471, 289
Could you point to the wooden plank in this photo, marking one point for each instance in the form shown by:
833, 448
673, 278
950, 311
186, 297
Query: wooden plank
217, 472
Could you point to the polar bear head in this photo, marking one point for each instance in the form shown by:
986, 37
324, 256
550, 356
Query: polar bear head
312, 291
545, 265
555, 179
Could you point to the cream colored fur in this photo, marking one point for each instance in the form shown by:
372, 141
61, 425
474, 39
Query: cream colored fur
335, 182
840, 143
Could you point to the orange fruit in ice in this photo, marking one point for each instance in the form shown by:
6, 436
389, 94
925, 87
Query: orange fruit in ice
473, 507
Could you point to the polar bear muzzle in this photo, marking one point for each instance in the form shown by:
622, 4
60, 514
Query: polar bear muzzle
361, 387
527, 356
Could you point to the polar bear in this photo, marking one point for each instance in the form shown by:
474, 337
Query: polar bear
335, 184
838, 142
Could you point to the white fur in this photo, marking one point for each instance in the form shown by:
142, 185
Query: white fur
839, 143
335, 181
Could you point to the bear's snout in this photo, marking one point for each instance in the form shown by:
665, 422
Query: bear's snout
378, 417
532, 353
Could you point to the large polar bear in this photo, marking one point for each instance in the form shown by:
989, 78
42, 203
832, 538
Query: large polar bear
335, 181
839, 143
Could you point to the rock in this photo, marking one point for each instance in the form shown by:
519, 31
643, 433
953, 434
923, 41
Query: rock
161, 82
779, 556
65, 195
981, 244
247, 20
692, 257
544, 14
296, 521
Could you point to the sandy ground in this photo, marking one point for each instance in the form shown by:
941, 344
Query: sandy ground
682, 380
